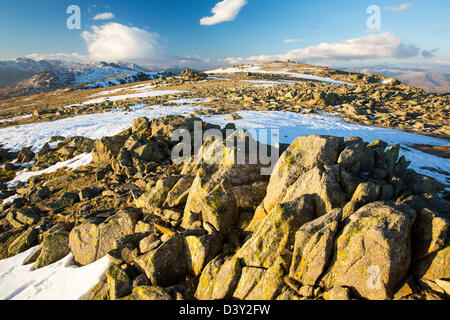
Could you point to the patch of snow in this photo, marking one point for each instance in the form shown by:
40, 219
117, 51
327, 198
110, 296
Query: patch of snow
10, 199
257, 69
16, 118
140, 94
92, 126
189, 101
61, 280
78, 161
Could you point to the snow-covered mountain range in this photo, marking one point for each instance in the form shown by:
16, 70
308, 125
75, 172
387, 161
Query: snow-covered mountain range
25, 76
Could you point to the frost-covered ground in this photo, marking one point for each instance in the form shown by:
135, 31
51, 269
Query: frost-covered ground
257, 69
61, 280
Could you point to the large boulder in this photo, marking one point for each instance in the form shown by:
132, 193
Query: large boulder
314, 243
119, 283
93, 240
219, 279
157, 194
55, 246
200, 250
270, 285
435, 266
373, 251
429, 233
212, 198
83, 242
304, 154
23, 242
166, 265
323, 184
276, 233
107, 148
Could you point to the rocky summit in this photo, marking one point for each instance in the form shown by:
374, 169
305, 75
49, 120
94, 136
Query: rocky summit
336, 218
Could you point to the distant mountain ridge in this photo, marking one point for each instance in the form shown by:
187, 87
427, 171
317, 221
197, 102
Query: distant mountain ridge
22, 68
430, 81
25, 76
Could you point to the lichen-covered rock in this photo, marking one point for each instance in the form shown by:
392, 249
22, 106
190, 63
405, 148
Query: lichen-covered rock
429, 233
180, 191
373, 251
356, 157
434, 266
201, 250
365, 193
270, 286
250, 196
21, 217
83, 242
23, 242
314, 243
25, 155
250, 276
157, 195
149, 293
115, 228
140, 124
337, 293
276, 233
99, 292
205, 285
219, 279
211, 197
119, 283
107, 148
54, 247
93, 240
166, 265
303, 154
323, 184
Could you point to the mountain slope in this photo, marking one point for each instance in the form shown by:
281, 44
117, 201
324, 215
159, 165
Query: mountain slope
33, 77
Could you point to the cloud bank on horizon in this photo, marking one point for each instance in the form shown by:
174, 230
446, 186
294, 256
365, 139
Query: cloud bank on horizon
383, 45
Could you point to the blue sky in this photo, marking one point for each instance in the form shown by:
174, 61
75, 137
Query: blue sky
259, 28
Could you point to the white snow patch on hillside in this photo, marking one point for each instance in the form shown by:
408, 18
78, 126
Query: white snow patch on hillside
92, 126
61, 280
140, 94
16, 118
257, 69
291, 125
78, 161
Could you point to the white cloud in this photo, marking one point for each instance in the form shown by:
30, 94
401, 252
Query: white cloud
70, 57
226, 10
292, 40
104, 16
401, 8
114, 42
383, 45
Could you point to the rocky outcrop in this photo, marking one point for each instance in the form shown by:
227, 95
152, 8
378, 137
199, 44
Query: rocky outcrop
336, 220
